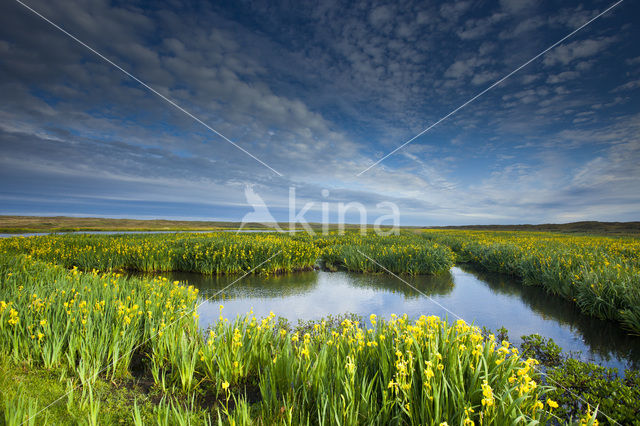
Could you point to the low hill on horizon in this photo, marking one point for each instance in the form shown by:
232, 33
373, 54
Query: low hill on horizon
586, 227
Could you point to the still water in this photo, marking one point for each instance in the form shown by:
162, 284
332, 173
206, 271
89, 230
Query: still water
485, 299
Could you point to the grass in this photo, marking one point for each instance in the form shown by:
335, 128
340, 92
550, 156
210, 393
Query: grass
27, 390
600, 274
230, 253
216, 253
131, 349
402, 254
68, 328
15, 224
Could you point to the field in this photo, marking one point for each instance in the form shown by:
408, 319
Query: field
18, 224
229, 253
25, 224
31, 224
104, 348
88, 327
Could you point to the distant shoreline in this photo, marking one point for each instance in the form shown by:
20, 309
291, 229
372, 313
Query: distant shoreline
36, 224
61, 224
584, 227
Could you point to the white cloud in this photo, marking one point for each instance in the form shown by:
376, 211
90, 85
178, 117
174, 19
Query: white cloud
464, 67
566, 53
562, 77
628, 86
380, 15
317, 104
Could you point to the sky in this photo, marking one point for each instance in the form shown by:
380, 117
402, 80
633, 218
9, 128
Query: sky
308, 95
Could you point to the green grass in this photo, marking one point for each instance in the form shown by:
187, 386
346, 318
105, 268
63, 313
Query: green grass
216, 253
41, 396
105, 333
403, 254
69, 320
230, 253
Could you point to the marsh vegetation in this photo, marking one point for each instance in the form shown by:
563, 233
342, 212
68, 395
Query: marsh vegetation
106, 348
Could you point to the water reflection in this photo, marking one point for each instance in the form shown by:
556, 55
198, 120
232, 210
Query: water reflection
489, 300
278, 286
251, 286
437, 285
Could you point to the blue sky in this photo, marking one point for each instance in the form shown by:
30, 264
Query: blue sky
319, 91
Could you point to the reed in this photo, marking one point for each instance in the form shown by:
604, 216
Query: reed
403, 254
228, 253
215, 253
600, 274
96, 326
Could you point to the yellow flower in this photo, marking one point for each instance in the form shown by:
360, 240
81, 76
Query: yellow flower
429, 373
225, 385
487, 392
372, 318
13, 317
43, 322
552, 404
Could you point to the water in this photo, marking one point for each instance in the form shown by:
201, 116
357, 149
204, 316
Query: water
489, 300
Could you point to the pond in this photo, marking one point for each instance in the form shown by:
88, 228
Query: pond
485, 299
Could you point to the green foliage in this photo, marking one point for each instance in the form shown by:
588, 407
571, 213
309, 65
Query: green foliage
580, 387
578, 384
544, 350
19, 409
503, 334
215, 253
403, 254
228, 253
92, 329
